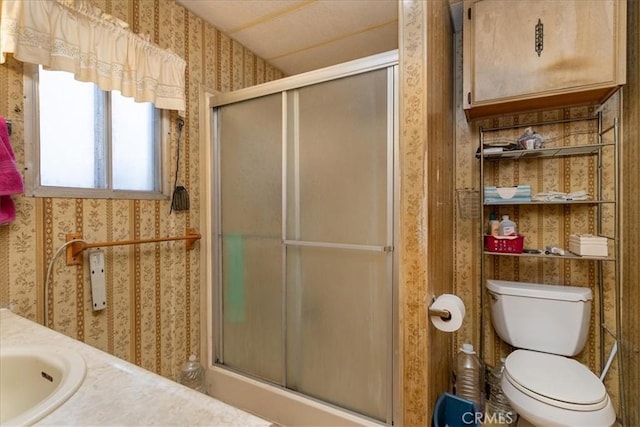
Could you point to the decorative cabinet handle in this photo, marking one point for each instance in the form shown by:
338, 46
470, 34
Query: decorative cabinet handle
539, 37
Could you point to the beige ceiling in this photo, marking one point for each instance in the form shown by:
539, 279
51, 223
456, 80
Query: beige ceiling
302, 35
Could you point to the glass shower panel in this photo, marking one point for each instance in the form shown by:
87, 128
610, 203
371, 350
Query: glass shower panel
250, 170
337, 169
338, 320
338, 274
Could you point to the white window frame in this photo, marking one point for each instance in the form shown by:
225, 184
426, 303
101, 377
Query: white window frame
33, 186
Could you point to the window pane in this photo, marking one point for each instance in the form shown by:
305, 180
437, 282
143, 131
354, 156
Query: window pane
67, 130
133, 142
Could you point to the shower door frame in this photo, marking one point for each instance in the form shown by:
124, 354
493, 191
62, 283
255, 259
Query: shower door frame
223, 379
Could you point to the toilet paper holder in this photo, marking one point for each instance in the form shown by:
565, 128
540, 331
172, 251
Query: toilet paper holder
440, 312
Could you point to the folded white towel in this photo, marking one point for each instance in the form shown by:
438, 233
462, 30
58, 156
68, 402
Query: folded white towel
557, 196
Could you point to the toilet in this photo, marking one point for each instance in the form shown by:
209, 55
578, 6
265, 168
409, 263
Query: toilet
547, 325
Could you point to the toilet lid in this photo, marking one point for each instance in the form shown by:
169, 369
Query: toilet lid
555, 377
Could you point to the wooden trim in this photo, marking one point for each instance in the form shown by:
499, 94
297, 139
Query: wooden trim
508, 107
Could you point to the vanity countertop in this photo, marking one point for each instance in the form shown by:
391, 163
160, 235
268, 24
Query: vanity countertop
116, 392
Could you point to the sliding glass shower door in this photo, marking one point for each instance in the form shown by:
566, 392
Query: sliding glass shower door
250, 254
305, 238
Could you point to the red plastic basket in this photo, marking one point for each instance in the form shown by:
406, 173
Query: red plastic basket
504, 244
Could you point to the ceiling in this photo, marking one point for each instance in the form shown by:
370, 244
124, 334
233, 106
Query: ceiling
296, 36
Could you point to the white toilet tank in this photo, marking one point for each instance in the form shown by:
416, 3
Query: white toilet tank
549, 318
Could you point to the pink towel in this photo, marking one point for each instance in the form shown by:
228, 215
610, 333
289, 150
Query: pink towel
7, 210
10, 178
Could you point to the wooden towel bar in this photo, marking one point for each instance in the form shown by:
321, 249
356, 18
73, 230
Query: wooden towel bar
74, 250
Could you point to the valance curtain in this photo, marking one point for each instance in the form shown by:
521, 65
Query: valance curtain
73, 36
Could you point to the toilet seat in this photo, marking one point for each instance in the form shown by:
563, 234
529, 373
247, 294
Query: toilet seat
540, 414
555, 380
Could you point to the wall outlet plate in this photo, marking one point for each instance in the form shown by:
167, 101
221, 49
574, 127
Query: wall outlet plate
97, 271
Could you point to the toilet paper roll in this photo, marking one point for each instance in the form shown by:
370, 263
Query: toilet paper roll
454, 305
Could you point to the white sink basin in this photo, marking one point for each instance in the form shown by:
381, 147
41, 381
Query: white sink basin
35, 380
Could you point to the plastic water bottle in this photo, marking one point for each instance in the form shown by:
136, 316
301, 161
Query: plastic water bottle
499, 411
469, 375
192, 375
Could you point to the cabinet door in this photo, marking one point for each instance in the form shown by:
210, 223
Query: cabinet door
578, 41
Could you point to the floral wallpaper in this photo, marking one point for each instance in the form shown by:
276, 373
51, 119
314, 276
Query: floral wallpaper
153, 290
426, 207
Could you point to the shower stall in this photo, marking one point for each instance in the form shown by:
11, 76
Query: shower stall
304, 224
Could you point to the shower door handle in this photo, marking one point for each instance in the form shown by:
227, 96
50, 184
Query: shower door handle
350, 246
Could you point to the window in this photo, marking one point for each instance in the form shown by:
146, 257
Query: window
87, 142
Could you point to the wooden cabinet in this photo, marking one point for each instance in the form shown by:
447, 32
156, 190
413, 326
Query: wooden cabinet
534, 54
